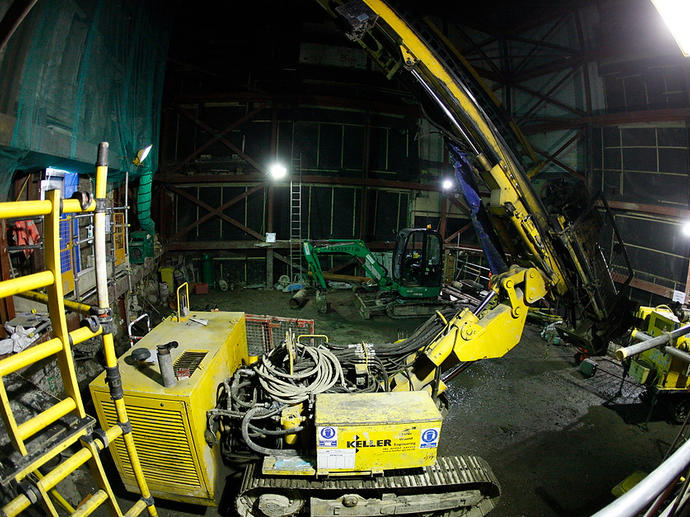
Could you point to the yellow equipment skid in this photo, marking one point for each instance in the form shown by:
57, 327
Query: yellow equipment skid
374, 432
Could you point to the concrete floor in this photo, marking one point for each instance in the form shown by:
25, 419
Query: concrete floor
554, 442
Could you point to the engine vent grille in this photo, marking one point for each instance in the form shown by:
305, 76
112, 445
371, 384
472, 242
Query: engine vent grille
162, 444
190, 360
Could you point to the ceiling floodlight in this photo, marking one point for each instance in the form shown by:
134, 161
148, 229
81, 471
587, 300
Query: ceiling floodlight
685, 229
676, 16
447, 184
277, 171
142, 154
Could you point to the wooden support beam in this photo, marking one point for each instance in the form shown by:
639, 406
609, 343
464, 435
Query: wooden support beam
215, 137
442, 225
197, 179
585, 65
546, 96
668, 211
296, 99
274, 152
553, 158
365, 179
457, 233
538, 44
457, 203
494, 69
195, 246
556, 161
269, 267
550, 100
223, 140
249, 245
223, 216
643, 285
545, 124
286, 260
215, 212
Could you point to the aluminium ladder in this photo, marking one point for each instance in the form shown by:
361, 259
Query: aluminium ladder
295, 221
58, 429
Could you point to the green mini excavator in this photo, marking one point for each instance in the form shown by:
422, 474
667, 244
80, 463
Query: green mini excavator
411, 289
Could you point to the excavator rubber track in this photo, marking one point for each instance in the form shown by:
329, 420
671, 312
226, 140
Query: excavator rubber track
453, 486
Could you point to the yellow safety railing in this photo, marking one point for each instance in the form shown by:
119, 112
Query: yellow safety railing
34, 484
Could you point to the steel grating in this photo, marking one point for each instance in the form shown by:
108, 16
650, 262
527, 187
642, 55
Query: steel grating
264, 332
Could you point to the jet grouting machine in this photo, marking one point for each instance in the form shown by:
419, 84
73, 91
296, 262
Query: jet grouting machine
354, 429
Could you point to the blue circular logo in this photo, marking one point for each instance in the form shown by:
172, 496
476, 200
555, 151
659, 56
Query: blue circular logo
429, 435
327, 433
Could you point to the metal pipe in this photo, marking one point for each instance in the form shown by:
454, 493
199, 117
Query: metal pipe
299, 299
126, 207
678, 354
103, 304
670, 350
166, 366
132, 323
99, 235
24, 209
484, 303
625, 352
25, 247
73, 206
644, 493
43, 298
638, 335
26, 283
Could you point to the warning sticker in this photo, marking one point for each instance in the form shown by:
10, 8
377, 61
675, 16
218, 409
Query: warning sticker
327, 436
335, 459
428, 438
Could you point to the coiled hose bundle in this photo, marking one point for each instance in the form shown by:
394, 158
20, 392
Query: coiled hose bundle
315, 370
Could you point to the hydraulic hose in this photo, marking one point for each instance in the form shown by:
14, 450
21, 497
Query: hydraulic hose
276, 432
253, 414
235, 398
295, 388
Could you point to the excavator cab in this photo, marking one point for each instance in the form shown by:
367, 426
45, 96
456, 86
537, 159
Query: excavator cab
417, 264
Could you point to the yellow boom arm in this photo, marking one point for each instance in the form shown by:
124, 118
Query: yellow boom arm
470, 337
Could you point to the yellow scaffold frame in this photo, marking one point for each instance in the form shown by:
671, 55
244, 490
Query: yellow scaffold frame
37, 486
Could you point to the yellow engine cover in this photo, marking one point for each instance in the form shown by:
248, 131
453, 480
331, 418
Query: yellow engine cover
374, 432
168, 424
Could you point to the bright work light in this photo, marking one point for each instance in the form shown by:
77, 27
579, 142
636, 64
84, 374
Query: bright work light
676, 16
685, 229
447, 184
277, 171
141, 155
